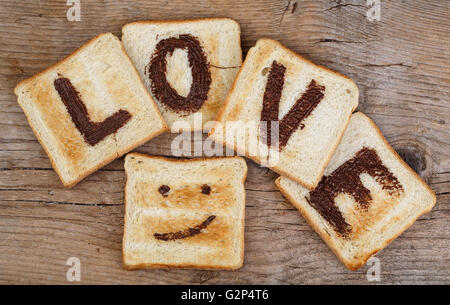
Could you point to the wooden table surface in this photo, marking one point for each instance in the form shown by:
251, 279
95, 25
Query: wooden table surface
400, 64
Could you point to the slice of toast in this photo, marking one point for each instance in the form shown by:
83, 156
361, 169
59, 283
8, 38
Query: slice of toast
89, 109
188, 66
311, 104
184, 213
367, 197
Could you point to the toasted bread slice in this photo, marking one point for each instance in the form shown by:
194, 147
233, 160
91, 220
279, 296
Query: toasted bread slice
184, 213
188, 66
89, 109
367, 197
311, 103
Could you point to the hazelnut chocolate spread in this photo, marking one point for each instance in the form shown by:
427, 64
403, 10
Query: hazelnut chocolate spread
298, 112
163, 190
93, 132
201, 76
345, 179
206, 189
185, 233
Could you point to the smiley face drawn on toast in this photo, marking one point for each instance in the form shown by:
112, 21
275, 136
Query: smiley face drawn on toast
184, 213
195, 213
205, 189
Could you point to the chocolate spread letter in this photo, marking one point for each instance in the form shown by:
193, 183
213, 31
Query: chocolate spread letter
201, 76
185, 233
299, 112
345, 179
93, 132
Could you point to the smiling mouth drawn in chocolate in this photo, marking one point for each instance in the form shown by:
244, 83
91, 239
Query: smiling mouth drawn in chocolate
345, 179
298, 112
186, 232
201, 76
93, 132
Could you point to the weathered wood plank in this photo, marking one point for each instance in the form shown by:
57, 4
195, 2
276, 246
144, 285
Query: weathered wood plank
40, 237
401, 66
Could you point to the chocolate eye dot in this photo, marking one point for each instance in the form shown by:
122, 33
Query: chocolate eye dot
163, 190
206, 189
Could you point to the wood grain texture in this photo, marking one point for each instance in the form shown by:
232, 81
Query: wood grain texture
400, 64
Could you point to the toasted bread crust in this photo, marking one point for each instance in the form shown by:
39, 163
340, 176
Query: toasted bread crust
181, 21
194, 20
397, 155
71, 183
86, 44
222, 111
356, 264
245, 152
